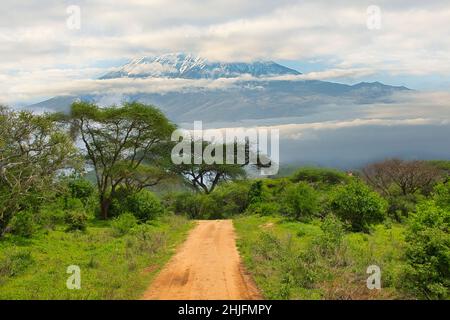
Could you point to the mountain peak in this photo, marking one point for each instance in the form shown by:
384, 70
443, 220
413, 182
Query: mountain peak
189, 66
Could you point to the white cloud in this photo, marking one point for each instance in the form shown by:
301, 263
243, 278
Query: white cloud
34, 37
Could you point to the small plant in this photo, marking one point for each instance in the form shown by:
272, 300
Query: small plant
331, 241
123, 224
76, 220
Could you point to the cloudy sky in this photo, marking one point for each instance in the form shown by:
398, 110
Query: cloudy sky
44, 52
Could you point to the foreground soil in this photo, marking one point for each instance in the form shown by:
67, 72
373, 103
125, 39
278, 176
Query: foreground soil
206, 267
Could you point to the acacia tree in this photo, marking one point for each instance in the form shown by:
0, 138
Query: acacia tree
123, 144
204, 176
408, 176
33, 148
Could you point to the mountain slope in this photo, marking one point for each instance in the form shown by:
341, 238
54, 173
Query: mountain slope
187, 66
260, 98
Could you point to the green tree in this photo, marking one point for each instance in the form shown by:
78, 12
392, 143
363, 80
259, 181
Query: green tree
33, 149
428, 252
126, 145
204, 177
358, 205
320, 175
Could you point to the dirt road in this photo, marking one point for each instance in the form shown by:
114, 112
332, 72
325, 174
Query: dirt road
207, 266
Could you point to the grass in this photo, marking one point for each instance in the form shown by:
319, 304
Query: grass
111, 267
292, 260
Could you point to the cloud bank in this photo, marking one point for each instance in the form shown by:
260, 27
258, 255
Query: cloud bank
36, 44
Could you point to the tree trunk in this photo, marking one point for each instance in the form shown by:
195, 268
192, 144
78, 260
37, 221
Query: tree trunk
104, 207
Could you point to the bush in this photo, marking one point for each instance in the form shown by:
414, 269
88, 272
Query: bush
255, 194
23, 224
300, 201
76, 220
320, 175
273, 189
123, 224
144, 205
332, 238
428, 252
221, 203
357, 205
441, 195
230, 199
184, 203
399, 206
52, 214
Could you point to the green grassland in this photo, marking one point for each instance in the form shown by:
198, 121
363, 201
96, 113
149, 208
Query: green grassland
288, 261
112, 267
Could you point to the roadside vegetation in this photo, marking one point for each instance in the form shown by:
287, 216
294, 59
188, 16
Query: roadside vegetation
97, 189
311, 236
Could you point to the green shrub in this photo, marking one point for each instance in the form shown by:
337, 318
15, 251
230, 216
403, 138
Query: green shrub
230, 198
441, 195
143, 238
273, 189
255, 194
330, 242
198, 205
226, 200
144, 205
185, 203
119, 202
399, 206
209, 208
123, 224
23, 224
320, 175
300, 201
357, 205
76, 220
428, 252
51, 214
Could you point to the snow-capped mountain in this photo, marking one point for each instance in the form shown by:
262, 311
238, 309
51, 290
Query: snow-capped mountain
188, 66
260, 97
